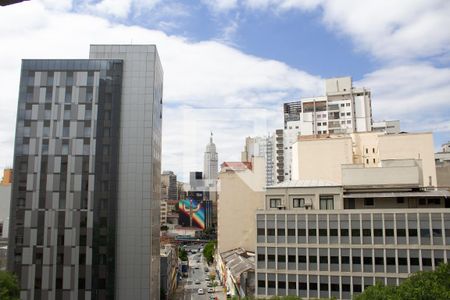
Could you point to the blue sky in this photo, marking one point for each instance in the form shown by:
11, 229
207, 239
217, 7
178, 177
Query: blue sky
230, 64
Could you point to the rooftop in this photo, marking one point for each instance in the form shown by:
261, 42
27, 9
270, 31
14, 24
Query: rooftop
237, 166
304, 183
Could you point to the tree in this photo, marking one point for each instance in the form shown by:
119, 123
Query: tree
427, 285
208, 251
182, 254
9, 287
164, 228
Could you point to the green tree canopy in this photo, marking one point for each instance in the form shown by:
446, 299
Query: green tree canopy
182, 254
9, 287
208, 251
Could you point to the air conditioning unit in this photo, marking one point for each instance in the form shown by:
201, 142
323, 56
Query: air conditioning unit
281, 207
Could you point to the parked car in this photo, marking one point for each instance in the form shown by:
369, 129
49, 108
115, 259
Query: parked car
210, 290
206, 278
197, 282
200, 292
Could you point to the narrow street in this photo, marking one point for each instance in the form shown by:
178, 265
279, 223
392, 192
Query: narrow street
197, 279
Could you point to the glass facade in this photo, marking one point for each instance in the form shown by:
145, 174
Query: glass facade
63, 237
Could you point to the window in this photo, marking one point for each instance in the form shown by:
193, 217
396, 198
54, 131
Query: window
400, 200
298, 202
312, 259
348, 114
323, 259
270, 231
291, 232
344, 232
282, 258
356, 232
301, 259
261, 284
292, 285
425, 233
326, 202
379, 261
323, 232
368, 260
426, 261
389, 232
342, 114
312, 232
281, 284
368, 201
342, 104
414, 261
271, 284
291, 258
390, 261
281, 232
402, 261
324, 123
271, 257
366, 232
401, 232
345, 260
301, 232
347, 104
412, 232
274, 203
356, 260
334, 260
333, 232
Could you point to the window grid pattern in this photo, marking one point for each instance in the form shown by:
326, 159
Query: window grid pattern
317, 250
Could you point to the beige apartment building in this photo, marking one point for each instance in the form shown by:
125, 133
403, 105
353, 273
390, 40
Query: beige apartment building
322, 157
241, 193
318, 238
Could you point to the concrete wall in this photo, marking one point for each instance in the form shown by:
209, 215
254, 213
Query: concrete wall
321, 158
407, 146
443, 175
241, 194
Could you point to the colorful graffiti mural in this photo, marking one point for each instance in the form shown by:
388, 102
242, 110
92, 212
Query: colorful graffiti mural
190, 207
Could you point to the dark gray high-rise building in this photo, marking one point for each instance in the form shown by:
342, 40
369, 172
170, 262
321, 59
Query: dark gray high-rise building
85, 195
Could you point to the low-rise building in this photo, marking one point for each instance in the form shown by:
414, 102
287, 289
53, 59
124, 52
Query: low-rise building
319, 238
390, 127
241, 192
168, 270
236, 270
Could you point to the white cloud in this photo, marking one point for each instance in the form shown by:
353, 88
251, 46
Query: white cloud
204, 74
220, 5
119, 8
282, 4
399, 30
417, 94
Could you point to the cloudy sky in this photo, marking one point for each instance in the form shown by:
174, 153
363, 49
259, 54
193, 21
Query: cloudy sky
230, 64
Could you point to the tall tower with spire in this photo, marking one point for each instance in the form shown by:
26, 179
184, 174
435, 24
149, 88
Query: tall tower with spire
210, 162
